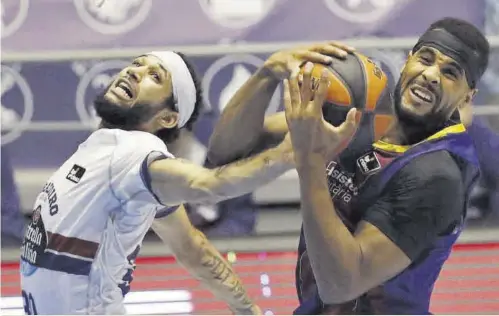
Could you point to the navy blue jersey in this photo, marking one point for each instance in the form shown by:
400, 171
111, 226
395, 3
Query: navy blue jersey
384, 184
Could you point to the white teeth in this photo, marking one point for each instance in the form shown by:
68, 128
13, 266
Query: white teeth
122, 92
122, 87
422, 95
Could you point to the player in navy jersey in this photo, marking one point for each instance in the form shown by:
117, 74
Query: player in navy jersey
381, 250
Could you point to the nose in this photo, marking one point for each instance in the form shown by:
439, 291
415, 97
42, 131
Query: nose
136, 73
432, 75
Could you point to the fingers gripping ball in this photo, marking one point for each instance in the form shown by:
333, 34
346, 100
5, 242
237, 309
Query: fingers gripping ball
356, 82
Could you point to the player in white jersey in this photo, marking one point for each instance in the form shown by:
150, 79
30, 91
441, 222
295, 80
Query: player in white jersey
90, 219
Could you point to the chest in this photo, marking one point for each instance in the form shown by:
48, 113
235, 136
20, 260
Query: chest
349, 181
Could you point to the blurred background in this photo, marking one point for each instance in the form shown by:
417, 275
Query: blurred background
58, 54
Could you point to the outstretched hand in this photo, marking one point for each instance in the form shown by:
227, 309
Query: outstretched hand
309, 131
283, 62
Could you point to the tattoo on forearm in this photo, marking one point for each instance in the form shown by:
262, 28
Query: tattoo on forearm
265, 162
223, 272
220, 170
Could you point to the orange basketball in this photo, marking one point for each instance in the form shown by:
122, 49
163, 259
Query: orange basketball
357, 82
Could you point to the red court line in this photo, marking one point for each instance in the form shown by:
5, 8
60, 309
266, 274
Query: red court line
477, 246
460, 260
485, 295
470, 271
468, 284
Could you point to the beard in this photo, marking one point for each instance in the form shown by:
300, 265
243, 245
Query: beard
417, 127
117, 116
129, 119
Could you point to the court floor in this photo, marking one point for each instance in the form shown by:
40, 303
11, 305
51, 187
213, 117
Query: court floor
469, 284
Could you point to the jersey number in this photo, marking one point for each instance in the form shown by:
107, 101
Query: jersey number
29, 304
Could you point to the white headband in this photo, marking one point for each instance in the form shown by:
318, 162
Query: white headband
184, 90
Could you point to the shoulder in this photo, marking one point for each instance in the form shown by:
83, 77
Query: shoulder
136, 145
133, 141
436, 166
431, 182
130, 152
140, 139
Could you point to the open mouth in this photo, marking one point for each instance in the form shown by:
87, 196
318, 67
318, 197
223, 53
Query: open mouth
124, 89
424, 95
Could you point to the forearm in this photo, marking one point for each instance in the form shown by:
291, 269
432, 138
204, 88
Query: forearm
205, 263
334, 253
176, 181
245, 175
240, 125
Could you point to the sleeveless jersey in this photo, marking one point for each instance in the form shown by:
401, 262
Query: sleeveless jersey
88, 224
356, 179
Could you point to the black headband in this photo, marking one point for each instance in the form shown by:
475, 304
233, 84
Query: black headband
453, 47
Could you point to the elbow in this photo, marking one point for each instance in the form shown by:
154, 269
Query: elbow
214, 157
338, 290
344, 280
221, 150
212, 153
336, 295
217, 153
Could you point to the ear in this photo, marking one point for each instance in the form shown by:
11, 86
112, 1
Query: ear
168, 119
473, 93
468, 98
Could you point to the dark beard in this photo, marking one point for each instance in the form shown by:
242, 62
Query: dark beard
116, 116
129, 119
414, 127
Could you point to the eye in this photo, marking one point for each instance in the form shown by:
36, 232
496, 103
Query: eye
425, 60
136, 63
156, 76
450, 73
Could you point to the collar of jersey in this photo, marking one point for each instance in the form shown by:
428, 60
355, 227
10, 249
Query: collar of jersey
387, 147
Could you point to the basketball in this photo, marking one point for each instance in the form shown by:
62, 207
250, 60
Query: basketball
357, 82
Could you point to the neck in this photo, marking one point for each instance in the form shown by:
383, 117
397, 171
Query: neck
104, 124
401, 133
394, 135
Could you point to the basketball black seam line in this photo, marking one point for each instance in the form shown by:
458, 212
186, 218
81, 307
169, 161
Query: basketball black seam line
345, 84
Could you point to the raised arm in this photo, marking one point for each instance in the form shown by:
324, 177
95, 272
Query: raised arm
240, 126
176, 181
203, 261
243, 128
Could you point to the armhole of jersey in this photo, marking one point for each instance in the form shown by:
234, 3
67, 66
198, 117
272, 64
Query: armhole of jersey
164, 212
146, 179
144, 170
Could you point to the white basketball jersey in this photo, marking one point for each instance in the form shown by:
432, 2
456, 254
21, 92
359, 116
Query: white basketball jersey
88, 225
